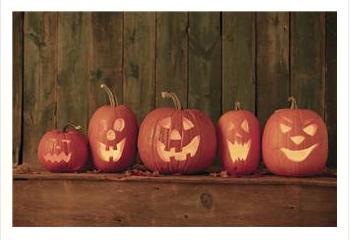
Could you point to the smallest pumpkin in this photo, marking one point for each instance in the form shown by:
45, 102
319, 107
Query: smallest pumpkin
63, 150
239, 141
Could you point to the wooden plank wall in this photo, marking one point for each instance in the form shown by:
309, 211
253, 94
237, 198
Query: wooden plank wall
208, 59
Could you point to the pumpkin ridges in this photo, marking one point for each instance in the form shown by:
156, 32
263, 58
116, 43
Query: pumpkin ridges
225, 133
77, 147
104, 120
273, 140
148, 149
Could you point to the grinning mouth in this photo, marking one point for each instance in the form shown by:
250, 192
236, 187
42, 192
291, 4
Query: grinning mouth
55, 158
238, 151
187, 151
298, 155
110, 153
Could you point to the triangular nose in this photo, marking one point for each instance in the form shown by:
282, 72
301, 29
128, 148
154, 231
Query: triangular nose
297, 139
175, 135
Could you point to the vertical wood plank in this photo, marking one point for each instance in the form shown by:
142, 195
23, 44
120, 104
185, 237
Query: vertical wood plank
331, 86
171, 56
139, 62
106, 57
272, 63
204, 90
73, 63
238, 56
308, 59
17, 94
40, 73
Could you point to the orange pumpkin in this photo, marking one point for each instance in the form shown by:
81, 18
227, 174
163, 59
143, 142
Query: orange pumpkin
112, 136
63, 150
295, 142
239, 141
172, 140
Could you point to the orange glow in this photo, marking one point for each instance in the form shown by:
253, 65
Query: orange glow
298, 155
284, 128
238, 151
188, 150
111, 153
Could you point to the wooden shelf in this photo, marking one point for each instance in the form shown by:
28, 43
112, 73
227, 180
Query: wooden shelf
90, 199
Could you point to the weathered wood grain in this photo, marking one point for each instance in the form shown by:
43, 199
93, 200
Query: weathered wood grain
171, 56
139, 62
40, 73
238, 60
73, 62
204, 63
331, 86
308, 59
272, 63
106, 42
323, 180
17, 90
70, 203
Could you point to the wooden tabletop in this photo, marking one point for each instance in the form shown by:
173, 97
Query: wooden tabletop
322, 180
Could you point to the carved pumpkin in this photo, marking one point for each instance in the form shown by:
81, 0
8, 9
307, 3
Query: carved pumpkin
239, 141
172, 140
295, 142
63, 151
112, 136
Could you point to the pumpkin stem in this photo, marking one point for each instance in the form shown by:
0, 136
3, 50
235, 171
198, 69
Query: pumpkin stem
112, 99
173, 97
293, 102
71, 125
237, 106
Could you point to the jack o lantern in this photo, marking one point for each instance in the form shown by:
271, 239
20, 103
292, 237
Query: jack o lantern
239, 141
63, 150
112, 136
295, 142
172, 140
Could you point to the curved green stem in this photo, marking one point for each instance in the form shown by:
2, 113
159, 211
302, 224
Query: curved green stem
71, 125
173, 97
112, 99
237, 106
293, 102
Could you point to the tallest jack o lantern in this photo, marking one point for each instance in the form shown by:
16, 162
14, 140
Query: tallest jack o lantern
112, 135
173, 140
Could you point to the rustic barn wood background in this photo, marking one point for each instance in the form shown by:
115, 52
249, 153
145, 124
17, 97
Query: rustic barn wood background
208, 59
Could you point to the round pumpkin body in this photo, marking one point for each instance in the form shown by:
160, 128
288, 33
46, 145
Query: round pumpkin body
112, 137
239, 142
295, 143
63, 151
177, 141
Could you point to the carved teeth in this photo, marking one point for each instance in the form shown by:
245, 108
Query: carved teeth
238, 151
111, 153
55, 158
187, 151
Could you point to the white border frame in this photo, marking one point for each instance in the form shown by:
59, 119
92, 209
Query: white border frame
8, 232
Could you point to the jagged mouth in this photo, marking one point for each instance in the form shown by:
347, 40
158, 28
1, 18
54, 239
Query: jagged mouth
298, 155
56, 158
111, 153
238, 151
187, 151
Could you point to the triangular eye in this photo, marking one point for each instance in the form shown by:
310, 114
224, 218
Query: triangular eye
165, 123
119, 124
187, 124
245, 126
284, 128
310, 129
